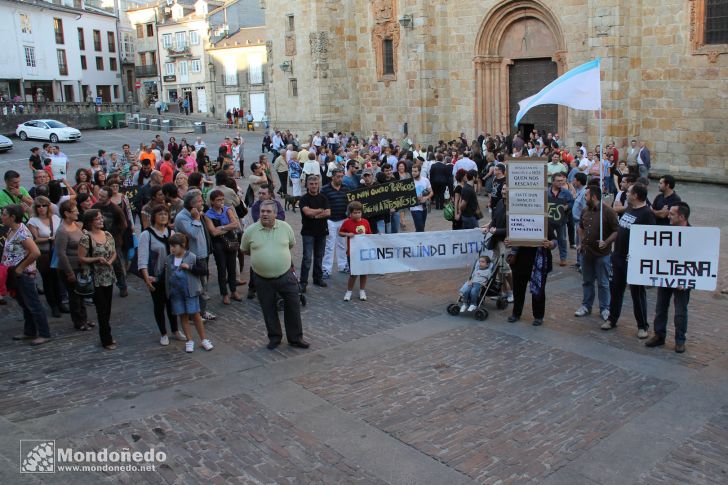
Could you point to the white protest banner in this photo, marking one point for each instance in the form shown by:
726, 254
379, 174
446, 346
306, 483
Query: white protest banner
525, 174
414, 251
674, 256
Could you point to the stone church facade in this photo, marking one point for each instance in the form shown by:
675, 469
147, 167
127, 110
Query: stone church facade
445, 67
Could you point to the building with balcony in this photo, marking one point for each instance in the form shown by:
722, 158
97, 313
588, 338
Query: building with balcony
240, 72
65, 50
182, 38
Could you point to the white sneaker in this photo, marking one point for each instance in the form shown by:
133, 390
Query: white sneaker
362, 295
347, 296
509, 297
180, 336
208, 316
190, 346
164, 340
472, 308
605, 315
642, 333
206, 344
463, 307
582, 311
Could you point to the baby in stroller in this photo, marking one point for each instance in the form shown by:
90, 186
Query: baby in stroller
470, 291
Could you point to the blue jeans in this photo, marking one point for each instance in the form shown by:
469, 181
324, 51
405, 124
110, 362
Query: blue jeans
36, 320
644, 171
394, 223
471, 292
419, 218
469, 222
681, 299
313, 250
563, 241
594, 267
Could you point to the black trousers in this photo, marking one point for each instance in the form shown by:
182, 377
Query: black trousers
616, 289
314, 248
76, 305
283, 176
226, 262
438, 195
51, 288
162, 303
521, 277
102, 301
268, 290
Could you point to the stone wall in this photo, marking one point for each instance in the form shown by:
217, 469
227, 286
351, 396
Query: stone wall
656, 84
78, 115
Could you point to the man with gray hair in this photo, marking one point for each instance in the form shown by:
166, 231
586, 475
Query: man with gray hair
269, 242
189, 222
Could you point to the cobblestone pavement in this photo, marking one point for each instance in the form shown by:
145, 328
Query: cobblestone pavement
393, 390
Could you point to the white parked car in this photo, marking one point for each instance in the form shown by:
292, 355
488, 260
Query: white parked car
5, 144
51, 130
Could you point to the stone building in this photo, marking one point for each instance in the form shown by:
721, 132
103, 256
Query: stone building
447, 67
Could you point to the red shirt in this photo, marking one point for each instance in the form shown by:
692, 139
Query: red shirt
357, 227
49, 170
167, 170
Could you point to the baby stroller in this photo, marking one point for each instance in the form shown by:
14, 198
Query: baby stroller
301, 296
491, 288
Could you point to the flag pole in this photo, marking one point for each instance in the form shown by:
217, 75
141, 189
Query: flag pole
601, 171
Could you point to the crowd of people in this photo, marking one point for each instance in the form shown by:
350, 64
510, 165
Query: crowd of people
164, 211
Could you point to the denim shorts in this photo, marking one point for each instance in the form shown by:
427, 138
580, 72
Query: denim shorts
184, 305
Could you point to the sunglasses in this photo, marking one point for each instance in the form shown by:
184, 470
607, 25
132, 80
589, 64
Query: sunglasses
42, 205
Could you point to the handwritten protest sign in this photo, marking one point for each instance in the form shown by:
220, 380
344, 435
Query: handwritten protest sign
558, 210
674, 256
527, 203
130, 191
379, 199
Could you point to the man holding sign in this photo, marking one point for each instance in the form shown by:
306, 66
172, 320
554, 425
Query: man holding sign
679, 216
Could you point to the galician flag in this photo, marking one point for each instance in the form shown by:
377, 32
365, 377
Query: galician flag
579, 89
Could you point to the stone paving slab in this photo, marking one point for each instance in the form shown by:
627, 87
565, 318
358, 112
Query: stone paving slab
700, 459
707, 339
227, 441
72, 371
497, 408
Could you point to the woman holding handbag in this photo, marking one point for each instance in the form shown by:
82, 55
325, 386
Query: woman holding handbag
97, 251
44, 226
66, 248
153, 251
222, 224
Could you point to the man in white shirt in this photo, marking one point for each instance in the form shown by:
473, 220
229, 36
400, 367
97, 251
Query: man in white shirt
465, 163
424, 194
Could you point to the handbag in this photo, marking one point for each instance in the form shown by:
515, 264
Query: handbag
153, 257
230, 242
449, 212
85, 276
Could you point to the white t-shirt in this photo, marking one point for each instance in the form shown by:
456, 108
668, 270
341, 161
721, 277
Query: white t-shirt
177, 262
466, 164
311, 167
45, 231
421, 185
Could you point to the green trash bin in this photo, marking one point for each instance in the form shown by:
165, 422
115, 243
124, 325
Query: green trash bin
106, 120
119, 119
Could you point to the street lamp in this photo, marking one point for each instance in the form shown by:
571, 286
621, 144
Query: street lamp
211, 68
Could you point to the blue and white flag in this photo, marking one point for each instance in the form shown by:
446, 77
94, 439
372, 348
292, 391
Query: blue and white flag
579, 89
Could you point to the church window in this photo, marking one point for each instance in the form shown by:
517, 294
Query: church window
716, 22
388, 56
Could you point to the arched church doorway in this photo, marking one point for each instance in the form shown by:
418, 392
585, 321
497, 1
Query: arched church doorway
519, 50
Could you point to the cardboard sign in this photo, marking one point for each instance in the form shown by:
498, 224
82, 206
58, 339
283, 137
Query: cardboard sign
527, 202
379, 199
674, 257
130, 191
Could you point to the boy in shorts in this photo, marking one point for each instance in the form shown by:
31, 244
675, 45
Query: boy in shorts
354, 226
